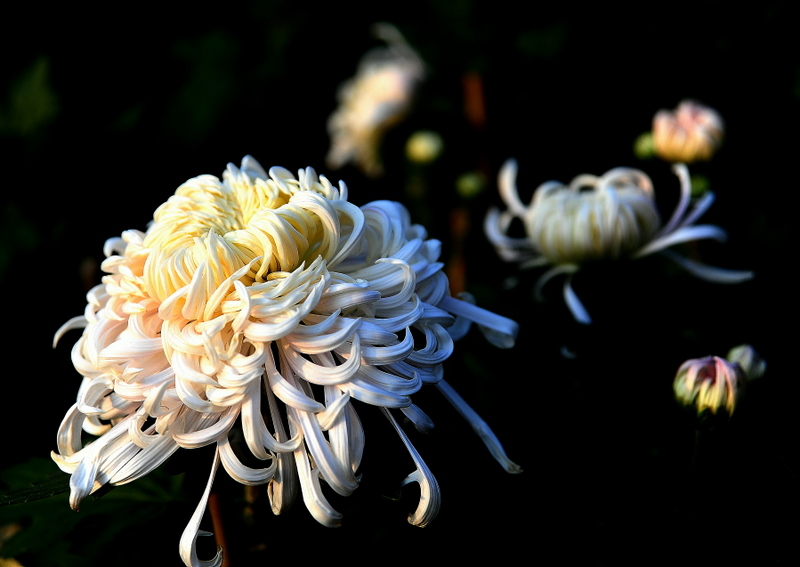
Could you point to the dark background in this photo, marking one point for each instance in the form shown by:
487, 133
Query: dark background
103, 113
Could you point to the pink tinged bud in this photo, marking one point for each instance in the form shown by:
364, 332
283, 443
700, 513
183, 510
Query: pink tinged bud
692, 132
711, 383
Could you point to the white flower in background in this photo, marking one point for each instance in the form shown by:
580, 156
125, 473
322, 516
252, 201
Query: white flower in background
598, 218
267, 303
377, 98
716, 385
692, 132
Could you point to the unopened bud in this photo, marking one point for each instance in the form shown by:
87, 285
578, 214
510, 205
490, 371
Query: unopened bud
692, 132
709, 384
424, 147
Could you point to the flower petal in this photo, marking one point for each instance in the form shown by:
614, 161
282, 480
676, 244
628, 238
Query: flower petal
188, 543
574, 304
430, 497
481, 428
502, 332
709, 273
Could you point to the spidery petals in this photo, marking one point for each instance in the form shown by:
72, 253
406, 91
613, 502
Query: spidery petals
260, 286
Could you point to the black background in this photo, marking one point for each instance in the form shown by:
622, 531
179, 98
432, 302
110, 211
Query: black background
142, 99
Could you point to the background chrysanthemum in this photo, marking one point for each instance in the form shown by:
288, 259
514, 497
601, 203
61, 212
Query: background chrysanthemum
376, 99
268, 303
595, 218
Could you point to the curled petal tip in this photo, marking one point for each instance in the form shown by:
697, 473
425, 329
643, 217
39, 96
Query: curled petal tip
480, 427
500, 331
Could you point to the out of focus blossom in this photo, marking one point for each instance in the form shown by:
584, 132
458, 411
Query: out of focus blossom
424, 147
377, 98
470, 184
716, 385
751, 362
598, 218
709, 384
692, 132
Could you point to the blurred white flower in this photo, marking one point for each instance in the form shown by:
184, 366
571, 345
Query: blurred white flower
377, 98
266, 303
692, 132
598, 218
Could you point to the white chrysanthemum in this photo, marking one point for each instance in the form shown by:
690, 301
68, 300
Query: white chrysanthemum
598, 218
268, 303
377, 98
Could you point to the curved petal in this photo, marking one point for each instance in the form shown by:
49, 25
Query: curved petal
503, 330
481, 428
238, 471
315, 501
207, 435
683, 234
507, 183
709, 273
574, 304
188, 543
339, 478
78, 322
429, 497
323, 374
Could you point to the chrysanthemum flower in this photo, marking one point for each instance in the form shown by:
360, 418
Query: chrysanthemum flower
598, 218
716, 385
692, 132
709, 384
377, 98
267, 303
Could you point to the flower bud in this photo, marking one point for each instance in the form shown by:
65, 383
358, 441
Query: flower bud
692, 132
424, 147
749, 360
709, 383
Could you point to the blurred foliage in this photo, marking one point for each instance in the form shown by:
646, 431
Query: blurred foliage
47, 527
31, 102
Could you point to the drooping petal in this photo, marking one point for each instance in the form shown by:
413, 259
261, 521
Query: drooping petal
315, 501
574, 304
282, 489
429, 497
709, 273
683, 234
188, 543
240, 472
480, 426
501, 331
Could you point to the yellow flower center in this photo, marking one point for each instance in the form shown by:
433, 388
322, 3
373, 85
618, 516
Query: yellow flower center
211, 233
